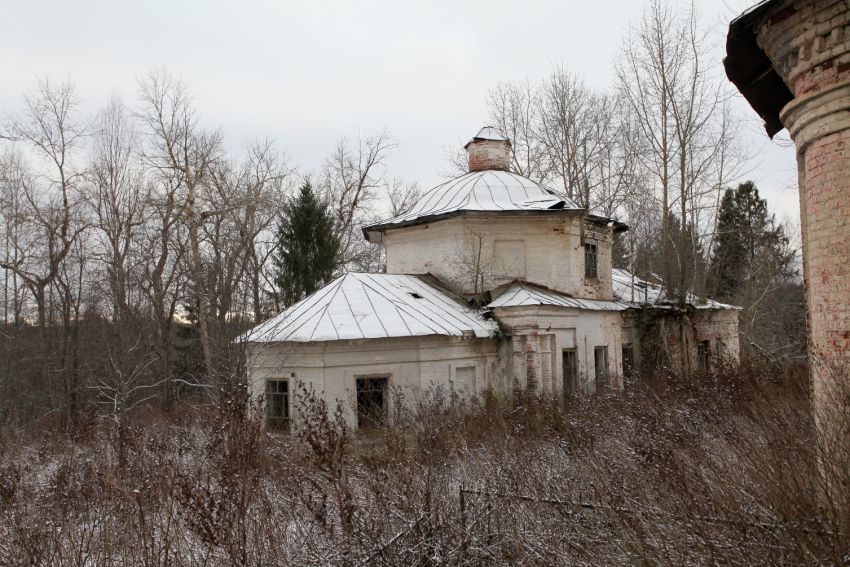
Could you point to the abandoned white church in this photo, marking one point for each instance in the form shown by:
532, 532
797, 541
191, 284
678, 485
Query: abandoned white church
493, 282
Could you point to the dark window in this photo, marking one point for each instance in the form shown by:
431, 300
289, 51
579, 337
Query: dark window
371, 401
590, 270
628, 361
702, 356
569, 369
277, 405
600, 359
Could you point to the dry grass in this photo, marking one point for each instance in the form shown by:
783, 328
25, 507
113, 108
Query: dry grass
716, 470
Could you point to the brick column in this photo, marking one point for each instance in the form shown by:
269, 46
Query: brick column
808, 43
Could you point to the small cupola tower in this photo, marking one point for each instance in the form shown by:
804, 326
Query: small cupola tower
488, 149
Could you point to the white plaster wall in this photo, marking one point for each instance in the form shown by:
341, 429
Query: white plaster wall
414, 364
435, 248
544, 249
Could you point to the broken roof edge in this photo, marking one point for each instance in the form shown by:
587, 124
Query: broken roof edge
751, 71
625, 282
617, 225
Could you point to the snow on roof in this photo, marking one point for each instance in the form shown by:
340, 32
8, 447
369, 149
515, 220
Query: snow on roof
372, 306
520, 293
489, 190
639, 292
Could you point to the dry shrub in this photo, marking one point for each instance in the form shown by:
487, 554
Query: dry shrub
719, 469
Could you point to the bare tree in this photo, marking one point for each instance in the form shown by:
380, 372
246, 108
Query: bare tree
242, 200
644, 80
573, 122
14, 176
118, 200
50, 127
515, 109
679, 106
184, 152
401, 195
352, 174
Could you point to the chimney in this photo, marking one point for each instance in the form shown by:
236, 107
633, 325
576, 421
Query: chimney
488, 149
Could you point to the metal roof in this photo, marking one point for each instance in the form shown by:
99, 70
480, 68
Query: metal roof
374, 306
488, 133
487, 191
520, 294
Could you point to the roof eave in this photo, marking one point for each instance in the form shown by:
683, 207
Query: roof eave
751, 71
378, 229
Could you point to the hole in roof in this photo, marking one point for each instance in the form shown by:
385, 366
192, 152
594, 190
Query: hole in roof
414, 294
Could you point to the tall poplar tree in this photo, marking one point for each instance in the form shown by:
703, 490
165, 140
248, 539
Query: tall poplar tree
307, 248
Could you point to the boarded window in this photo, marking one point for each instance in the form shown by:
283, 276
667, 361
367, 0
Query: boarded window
277, 405
509, 259
590, 261
702, 356
628, 361
569, 369
371, 401
600, 360
464, 382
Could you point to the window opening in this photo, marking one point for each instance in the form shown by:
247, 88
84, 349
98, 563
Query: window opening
628, 361
277, 405
702, 356
600, 359
590, 258
569, 369
371, 401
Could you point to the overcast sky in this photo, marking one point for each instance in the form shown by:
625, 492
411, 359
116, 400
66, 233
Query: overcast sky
305, 73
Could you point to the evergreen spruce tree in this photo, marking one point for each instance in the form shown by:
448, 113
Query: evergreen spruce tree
750, 247
307, 252
727, 262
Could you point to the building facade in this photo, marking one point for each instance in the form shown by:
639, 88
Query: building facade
493, 283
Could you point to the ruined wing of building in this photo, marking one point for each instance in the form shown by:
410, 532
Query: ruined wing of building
494, 283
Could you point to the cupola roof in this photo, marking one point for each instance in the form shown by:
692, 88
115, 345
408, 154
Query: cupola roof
479, 191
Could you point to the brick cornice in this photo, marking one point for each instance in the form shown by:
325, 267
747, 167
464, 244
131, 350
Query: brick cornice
812, 116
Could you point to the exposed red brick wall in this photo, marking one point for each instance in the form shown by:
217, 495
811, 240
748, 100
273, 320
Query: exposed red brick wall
488, 154
827, 194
